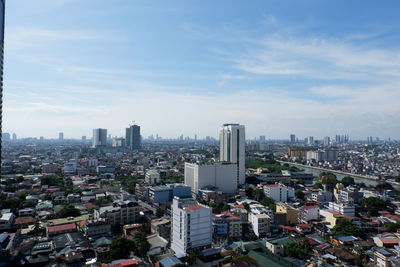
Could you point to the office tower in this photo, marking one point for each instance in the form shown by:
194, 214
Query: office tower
83, 138
61, 136
14, 136
310, 140
191, 226
99, 138
327, 141
262, 138
221, 175
292, 138
5, 137
2, 14
133, 138
232, 148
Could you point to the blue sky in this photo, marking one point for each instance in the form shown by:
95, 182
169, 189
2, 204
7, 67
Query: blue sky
185, 67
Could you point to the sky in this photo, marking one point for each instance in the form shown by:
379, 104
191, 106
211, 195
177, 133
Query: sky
307, 67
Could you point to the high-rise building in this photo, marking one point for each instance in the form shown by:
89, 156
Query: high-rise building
2, 23
5, 137
310, 140
133, 139
99, 138
191, 226
232, 148
262, 138
61, 136
327, 141
83, 139
14, 136
292, 138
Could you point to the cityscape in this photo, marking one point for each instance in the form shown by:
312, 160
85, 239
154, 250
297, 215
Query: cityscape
227, 177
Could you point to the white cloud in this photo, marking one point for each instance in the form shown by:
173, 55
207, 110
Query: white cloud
20, 38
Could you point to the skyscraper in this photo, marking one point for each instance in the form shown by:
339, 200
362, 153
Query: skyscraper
232, 147
99, 138
133, 138
2, 14
292, 138
327, 140
61, 136
14, 136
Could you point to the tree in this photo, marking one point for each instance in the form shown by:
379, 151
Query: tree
258, 194
346, 227
372, 205
160, 212
384, 186
347, 180
121, 248
392, 227
300, 249
299, 194
397, 179
268, 202
246, 206
142, 246
68, 211
191, 258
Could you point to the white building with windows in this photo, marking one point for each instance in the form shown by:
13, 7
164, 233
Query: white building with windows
191, 226
232, 148
343, 208
221, 175
279, 192
99, 138
152, 177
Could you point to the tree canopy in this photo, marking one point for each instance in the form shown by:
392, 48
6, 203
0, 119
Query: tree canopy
346, 227
373, 204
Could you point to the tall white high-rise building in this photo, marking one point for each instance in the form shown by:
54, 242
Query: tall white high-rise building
191, 226
99, 138
232, 147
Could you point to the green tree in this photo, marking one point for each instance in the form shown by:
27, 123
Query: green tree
346, 227
191, 258
372, 205
121, 248
68, 211
299, 194
346, 181
142, 246
300, 249
160, 212
384, 186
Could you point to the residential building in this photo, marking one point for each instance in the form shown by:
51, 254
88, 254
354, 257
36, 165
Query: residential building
6, 220
165, 193
292, 138
260, 224
220, 175
342, 208
308, 213
232, 148
191, 226
292, 213
96, 228
121, 212
99, 138
152, 177
279, 192
321, 196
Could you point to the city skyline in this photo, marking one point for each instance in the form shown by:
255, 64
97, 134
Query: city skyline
174, 72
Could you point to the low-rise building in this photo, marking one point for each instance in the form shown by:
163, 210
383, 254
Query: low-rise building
121, 212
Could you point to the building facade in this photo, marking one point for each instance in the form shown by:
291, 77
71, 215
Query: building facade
99, 138
191, 226
232, 142
220, 175
132, 138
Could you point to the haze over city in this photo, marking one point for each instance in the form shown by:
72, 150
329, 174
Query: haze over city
177, 67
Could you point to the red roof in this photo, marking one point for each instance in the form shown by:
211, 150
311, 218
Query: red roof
63, 227
23, 220
128, 263
195, 207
